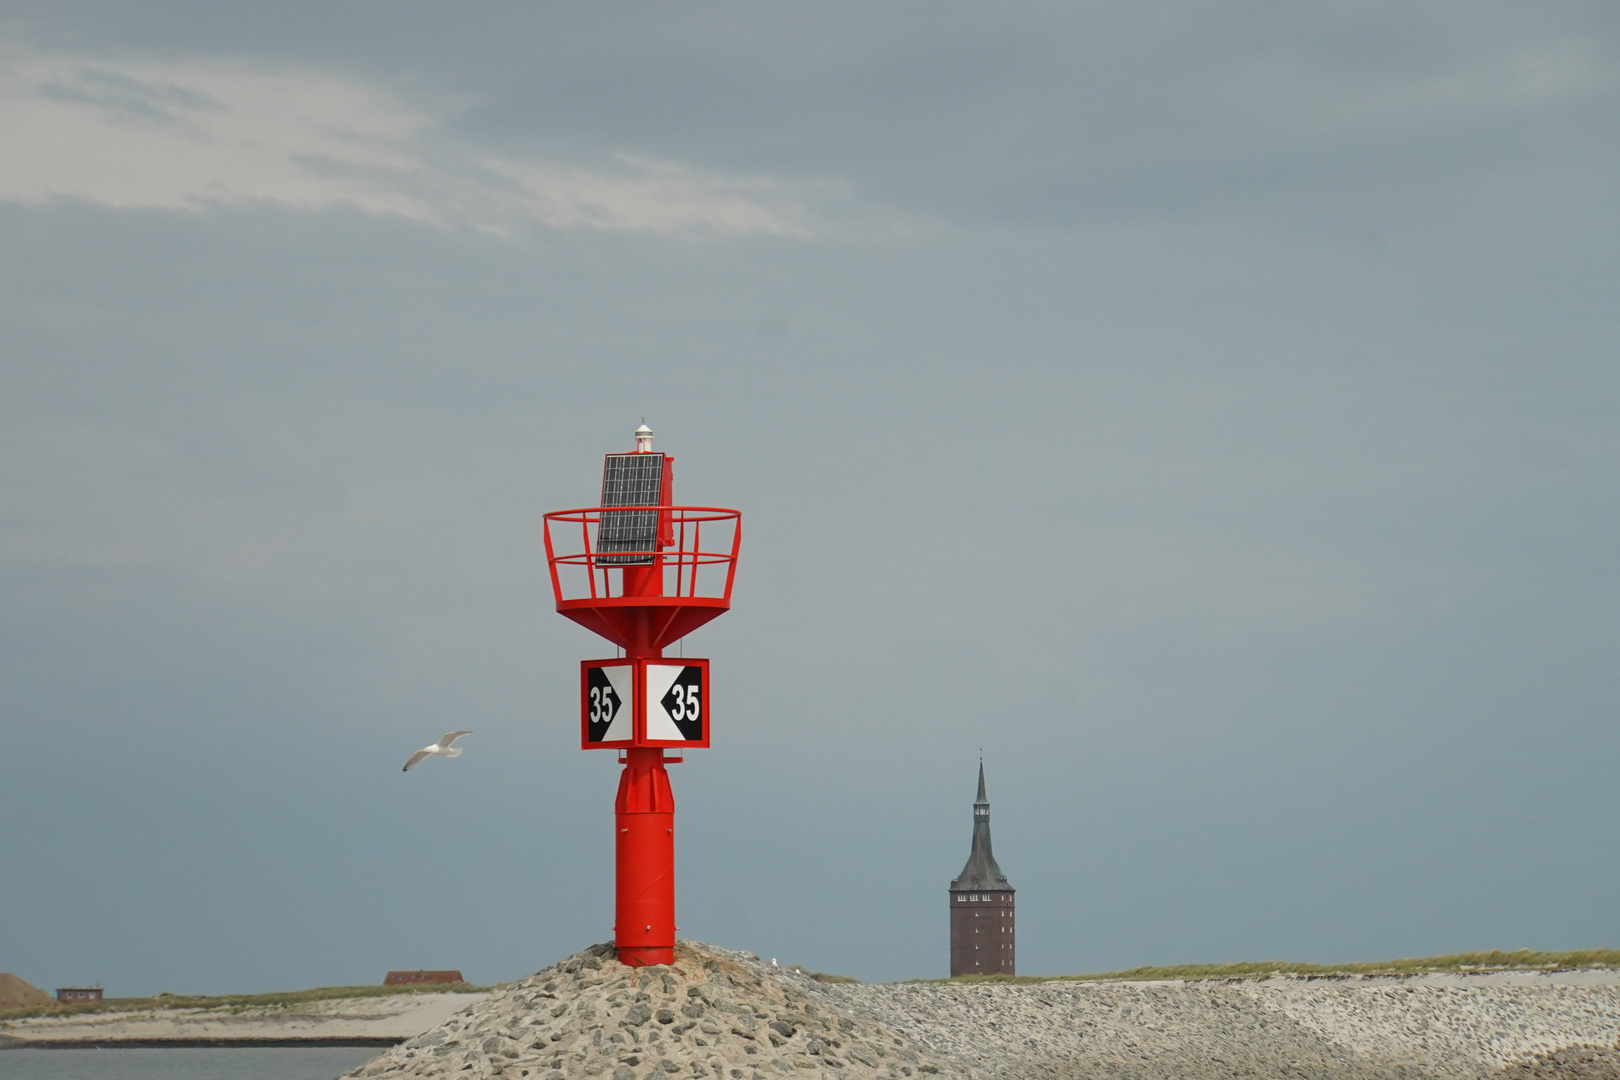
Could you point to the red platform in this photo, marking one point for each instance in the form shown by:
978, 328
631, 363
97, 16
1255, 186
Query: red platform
684, 582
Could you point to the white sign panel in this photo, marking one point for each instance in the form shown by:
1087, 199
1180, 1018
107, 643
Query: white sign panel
676, 708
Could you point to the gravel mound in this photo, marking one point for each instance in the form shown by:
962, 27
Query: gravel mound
1328, 1029
713, 1013
1116, 1031
1455, 1026
727, 1016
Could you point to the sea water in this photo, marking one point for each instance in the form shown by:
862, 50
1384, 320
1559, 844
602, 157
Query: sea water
185, 1063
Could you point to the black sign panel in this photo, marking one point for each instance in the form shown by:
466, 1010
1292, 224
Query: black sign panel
684, 703
602, 704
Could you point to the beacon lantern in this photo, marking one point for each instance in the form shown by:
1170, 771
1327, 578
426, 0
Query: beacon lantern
643, 573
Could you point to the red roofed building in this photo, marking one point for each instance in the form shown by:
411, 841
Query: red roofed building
406, 978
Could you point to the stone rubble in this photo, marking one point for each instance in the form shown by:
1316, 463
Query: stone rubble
726, 1015
1326, 1029
713, 1013
1569, 1063
1462, 1026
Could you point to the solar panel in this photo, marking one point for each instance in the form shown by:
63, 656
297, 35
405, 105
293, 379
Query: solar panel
630, 480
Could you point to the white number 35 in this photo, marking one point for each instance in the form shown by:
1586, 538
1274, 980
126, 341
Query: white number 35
688, 706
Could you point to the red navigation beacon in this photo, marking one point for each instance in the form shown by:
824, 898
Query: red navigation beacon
643, 573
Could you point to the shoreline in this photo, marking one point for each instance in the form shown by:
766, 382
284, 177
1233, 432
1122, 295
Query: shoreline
381, 1021
381, 1042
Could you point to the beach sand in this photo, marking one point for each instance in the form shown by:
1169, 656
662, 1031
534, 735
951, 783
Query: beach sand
356, 1021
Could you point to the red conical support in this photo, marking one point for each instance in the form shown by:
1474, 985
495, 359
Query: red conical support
644, 818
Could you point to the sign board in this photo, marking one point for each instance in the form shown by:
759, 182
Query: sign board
609, 694
644, 702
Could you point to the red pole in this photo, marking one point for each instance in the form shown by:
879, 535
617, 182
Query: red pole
644, 580
644, 901
644, 822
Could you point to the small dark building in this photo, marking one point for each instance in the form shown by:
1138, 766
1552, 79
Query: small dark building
78, 993
406, 978
982, 905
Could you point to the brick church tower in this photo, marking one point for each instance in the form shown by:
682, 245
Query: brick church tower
982, 905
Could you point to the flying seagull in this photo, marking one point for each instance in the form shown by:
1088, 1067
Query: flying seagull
442, 748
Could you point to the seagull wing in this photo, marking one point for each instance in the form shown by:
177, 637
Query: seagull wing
418, 756
450, 737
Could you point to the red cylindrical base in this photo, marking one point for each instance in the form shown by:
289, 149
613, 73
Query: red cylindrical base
644, 900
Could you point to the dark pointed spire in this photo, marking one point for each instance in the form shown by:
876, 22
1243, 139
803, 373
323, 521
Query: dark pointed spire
981, 871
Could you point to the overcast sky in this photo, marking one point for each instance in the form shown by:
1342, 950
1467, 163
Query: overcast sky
1207, 410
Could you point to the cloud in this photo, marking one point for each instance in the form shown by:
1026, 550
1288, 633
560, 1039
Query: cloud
1291, 96
195, 135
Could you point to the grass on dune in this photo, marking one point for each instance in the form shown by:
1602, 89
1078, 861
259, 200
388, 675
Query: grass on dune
822, 976
1523, 960
237, 1003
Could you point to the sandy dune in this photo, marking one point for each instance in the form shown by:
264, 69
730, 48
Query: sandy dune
372, 1019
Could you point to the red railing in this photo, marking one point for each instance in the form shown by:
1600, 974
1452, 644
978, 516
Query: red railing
677, 554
